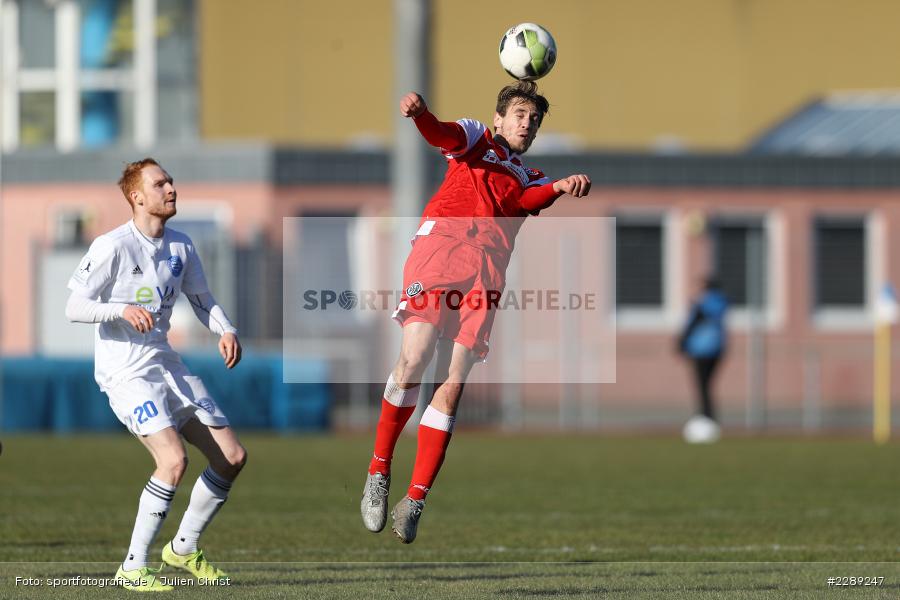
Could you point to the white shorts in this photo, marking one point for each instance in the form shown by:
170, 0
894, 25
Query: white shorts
163, 395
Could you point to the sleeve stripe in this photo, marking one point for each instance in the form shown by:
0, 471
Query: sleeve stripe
542, 181
194, 299
474, 131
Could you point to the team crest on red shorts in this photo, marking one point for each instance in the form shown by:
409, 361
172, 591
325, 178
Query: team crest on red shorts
414, 289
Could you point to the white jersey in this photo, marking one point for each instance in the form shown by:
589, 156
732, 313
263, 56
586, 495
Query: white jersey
124, 266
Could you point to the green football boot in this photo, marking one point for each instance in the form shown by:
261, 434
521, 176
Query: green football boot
194, 563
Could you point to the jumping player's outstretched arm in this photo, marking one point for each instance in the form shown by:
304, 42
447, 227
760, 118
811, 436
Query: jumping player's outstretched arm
574, 185
412, 105
450, 137
538, 197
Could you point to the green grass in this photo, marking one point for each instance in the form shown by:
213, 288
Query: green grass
510, 517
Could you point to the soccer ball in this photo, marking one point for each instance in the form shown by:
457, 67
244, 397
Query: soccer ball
527, 51
701, 430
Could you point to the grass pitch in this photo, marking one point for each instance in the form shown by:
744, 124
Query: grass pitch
510, 517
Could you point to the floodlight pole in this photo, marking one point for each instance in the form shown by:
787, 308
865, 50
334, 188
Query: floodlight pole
412, 22
409, 168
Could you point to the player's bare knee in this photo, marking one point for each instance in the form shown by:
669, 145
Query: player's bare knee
237, 458
230, 463
410, 367
173, 467
181, 467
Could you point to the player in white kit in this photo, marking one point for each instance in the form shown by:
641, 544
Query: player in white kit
127, 284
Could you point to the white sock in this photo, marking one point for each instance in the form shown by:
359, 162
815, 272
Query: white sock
208, 496
152, 510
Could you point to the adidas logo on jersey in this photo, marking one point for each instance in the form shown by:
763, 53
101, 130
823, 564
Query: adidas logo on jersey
136, 270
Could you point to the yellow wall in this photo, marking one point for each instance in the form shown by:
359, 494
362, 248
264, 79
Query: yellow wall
306, 71
714, 73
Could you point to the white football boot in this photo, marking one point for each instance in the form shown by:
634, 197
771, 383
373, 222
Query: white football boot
406, 518
373, 505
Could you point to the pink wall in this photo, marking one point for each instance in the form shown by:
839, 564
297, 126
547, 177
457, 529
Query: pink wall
650, 372
27, 218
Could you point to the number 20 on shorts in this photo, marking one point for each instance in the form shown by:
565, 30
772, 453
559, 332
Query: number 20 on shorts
147, 411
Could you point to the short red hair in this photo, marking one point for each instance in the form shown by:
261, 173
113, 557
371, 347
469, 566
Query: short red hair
131, 176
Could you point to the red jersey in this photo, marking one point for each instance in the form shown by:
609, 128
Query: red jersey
487, 190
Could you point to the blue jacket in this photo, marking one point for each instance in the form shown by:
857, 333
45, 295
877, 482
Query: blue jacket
704, 334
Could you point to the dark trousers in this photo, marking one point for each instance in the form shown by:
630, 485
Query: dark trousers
704, 368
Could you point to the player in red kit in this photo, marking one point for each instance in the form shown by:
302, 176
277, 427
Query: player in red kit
453, 279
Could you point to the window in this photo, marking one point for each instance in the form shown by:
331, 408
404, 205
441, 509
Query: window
325, 249
740, 260
36, 35
639, 262
85, 73
840, 263
37, 119
325, 267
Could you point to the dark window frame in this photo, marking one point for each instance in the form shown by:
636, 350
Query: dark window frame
738, 293
654, 220
858, 275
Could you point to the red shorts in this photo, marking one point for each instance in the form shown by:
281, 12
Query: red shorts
454, 286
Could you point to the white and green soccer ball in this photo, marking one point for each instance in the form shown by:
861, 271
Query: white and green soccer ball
527, 51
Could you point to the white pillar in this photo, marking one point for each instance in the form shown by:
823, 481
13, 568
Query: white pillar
412, 52
9, 75
144, 73
68, 92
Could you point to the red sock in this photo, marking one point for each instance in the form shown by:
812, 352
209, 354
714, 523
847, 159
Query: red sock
429, 458
391, 422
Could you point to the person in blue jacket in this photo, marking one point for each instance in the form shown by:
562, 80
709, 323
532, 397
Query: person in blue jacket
704, 341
